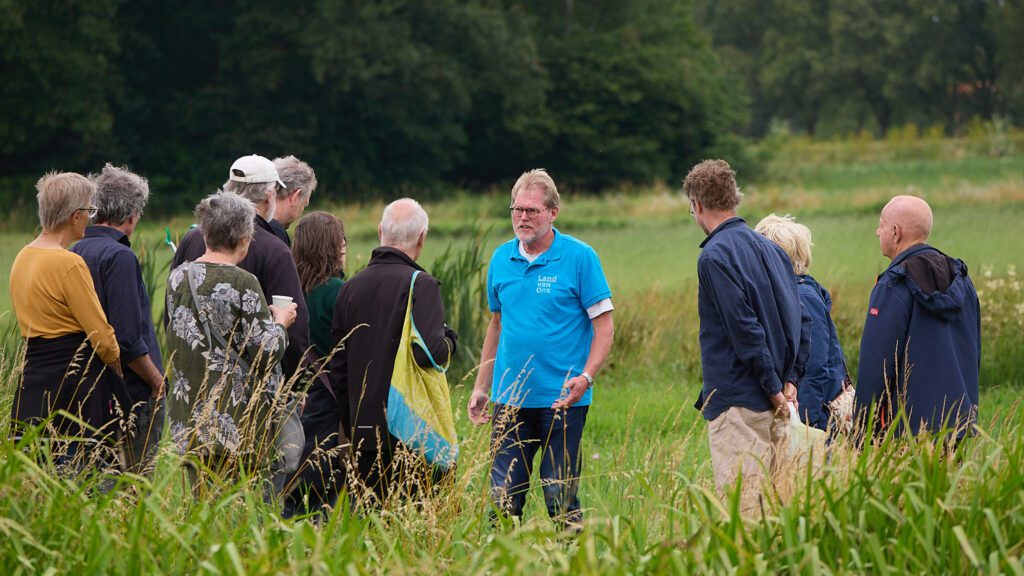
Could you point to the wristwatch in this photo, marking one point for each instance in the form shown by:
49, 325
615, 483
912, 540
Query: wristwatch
588, 378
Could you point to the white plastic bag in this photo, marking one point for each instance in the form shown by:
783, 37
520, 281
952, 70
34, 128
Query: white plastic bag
803, 439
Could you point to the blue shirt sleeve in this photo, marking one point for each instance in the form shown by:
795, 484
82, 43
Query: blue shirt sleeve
591, 279
122, 280
740, 323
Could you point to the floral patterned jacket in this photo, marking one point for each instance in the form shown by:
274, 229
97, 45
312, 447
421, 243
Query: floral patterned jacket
222, 397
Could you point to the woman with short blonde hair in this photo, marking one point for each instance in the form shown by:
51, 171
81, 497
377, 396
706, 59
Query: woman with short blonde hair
60, 317
826, 369
793, 237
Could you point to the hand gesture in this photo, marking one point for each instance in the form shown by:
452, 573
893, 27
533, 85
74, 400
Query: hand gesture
572, 391
477, 407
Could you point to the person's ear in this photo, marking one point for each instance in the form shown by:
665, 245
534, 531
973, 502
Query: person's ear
554, 213
294, 196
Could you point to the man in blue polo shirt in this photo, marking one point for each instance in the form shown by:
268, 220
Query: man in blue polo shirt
550, 332
120, 198
750, 335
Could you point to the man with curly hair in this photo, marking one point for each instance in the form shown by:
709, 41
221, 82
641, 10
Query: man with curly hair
750, 335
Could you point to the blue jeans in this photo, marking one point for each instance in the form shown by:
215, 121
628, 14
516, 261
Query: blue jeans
518, 434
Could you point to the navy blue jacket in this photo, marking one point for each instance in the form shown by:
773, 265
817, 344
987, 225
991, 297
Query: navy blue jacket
117, 275
826, 368
922, 343
270, 261
750, 319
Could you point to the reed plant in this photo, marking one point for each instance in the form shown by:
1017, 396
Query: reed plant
461, 270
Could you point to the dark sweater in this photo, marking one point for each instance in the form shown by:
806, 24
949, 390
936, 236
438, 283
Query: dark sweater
362, 364
826, 369
750, 319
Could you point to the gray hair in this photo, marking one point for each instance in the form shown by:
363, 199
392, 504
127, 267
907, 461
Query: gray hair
296, 175
226, 220
61, 195
537, 178
120, 193
255, 192
402, 224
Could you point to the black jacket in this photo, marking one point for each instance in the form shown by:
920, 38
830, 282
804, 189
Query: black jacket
280, 231
371, 306
270, 261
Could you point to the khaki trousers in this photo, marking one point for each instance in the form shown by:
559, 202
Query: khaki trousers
749, 443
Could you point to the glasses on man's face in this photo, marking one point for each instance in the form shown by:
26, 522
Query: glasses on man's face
519, 212
91, 210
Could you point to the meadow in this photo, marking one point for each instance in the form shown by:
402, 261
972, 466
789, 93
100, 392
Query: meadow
900, 507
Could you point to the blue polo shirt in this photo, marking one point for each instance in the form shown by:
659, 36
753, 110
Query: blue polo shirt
545, 330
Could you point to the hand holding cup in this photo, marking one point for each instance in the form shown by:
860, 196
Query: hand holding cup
284, 310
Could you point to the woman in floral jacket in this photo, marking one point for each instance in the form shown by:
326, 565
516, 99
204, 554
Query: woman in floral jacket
226, 344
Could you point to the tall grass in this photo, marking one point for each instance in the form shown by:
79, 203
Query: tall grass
900, 506
896, 507
460, 269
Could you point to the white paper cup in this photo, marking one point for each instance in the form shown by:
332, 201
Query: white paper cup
281, 301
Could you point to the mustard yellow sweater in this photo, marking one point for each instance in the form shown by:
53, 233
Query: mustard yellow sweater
53, 295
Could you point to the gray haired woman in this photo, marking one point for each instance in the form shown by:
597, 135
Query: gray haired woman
226, 344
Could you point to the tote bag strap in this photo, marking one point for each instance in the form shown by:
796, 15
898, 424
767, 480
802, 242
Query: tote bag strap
205, 320
417, 339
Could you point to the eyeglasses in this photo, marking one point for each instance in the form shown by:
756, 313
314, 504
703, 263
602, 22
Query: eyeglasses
518, 212
91, 210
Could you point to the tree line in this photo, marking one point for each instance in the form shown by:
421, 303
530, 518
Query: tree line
393, 96
835, 66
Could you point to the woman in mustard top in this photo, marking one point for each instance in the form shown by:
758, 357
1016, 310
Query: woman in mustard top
68, 340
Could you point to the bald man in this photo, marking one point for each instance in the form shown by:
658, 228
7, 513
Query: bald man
921, 349
369, 315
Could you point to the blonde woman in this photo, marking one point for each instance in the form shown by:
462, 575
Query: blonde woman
826, 368
69, 341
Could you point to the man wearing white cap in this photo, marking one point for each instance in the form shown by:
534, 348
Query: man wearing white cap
269, 259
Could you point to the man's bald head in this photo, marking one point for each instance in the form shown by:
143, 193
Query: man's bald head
906, 221
404, 226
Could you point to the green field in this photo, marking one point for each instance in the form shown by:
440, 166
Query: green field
647, 490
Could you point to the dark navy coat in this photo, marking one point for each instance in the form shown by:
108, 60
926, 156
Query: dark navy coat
750, 319
823, 378
922, 343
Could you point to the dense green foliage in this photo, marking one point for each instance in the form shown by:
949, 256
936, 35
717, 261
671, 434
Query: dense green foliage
840, 66
389, 95
402, 96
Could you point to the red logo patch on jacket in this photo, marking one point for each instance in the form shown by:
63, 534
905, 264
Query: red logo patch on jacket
873, 311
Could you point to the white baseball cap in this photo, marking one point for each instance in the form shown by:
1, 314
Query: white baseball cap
254, 168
